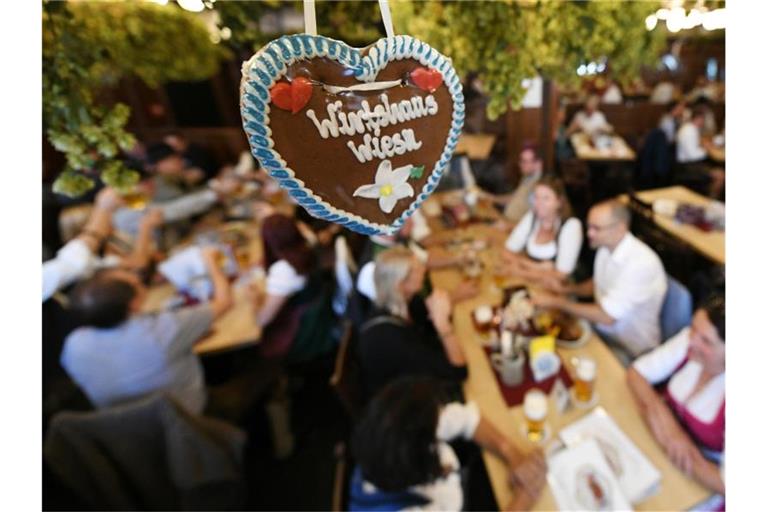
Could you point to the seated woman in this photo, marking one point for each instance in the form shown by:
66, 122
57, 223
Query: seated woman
405, 461
404, 334
690, 418
545, 245
288, 291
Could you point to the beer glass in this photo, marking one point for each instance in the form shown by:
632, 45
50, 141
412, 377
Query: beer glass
136, 199
535, 410
584, 387
483, 317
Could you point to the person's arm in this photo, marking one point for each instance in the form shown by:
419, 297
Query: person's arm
590, 311
222, 291
669, 434
142, 248
575, 125
267, 307
99, 224
524, 469
583, 289
439, 307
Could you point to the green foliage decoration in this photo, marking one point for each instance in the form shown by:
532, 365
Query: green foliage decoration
90, 45
358, 23
505, 42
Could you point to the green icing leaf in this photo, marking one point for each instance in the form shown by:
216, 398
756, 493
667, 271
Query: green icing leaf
417, 171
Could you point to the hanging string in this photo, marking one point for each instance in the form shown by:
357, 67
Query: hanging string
310, 21
386, 17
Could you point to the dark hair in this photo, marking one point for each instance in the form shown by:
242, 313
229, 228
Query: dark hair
395, 441
533, 148
158, 152
673, 104
698, 111
714, 307
556, 185
283, 241
102, 300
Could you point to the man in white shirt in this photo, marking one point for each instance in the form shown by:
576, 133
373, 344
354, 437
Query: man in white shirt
690, 146
590, 120
629, 285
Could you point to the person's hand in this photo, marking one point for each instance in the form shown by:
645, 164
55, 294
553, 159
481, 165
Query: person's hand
527, 473
527, 494
193, 175
465, 290
256, 293
681, 452
439, 307
542, 299
152, 219
210, 255
502, 225
108, 199
262, 210
554, 284
224, 186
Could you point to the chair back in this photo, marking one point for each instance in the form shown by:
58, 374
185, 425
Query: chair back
344, 268
345, 378
677, 309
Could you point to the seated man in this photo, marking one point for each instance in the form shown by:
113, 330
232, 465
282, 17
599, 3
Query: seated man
121, 354
692, 153
589, 120
517, 204
628, 285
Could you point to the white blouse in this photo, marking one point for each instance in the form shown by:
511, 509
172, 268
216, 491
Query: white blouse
283, 280
565, 251
658, 365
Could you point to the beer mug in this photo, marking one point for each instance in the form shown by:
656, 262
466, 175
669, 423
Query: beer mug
483, 319
535, 410
135, 199
584, 387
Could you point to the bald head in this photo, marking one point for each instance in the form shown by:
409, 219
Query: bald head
607, 223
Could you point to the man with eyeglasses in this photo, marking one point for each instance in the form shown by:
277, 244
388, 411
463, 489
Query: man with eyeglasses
628, 285
517, 203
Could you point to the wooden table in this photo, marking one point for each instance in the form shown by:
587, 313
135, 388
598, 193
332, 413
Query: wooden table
234, 329
619, 151
717, 154
711, 244
476, 146
677, 491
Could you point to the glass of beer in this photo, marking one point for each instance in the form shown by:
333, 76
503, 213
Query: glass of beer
483, 317
584, 387
136, 199
535, 410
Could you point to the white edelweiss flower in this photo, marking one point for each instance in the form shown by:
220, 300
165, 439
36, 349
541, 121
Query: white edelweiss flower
390, 186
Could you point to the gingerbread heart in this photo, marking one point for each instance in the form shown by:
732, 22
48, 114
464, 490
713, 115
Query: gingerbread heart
359, 136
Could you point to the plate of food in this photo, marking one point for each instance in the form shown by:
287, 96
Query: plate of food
523, 318
570, 332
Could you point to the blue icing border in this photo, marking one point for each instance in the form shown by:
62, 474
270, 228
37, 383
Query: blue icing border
271, 62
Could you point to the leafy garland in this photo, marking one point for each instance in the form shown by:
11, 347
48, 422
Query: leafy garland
90, 45
505, 42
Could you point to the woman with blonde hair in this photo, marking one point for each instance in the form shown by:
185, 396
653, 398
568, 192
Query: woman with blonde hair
406, 335
545, 245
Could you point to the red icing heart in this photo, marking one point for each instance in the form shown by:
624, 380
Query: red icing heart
292, 96
427, 79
